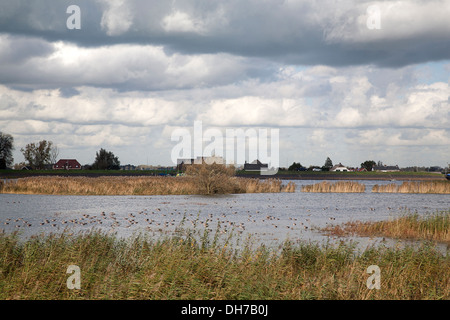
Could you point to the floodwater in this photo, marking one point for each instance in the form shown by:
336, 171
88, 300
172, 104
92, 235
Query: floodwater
265, 218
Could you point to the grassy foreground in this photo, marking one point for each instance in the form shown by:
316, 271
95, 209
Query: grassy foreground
198, 265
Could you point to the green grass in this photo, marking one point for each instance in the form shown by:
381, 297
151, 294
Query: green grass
195, 264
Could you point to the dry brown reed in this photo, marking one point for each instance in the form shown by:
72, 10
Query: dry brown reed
435, 186
435, 227
144, 185
340, 186
290, 187
265, 186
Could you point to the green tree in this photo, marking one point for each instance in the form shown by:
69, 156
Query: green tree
105, 160
6, 149
38, 154
328, 164
295, 166
368, 165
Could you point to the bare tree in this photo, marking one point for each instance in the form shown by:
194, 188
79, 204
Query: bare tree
54, 153
213, 178
38, 154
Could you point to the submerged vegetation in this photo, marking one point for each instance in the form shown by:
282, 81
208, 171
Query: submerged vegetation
194, 264
199, 179
435, 186
138, 186
340, 186
433, 226
220, 179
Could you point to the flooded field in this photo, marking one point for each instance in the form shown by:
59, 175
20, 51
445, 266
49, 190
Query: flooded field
266, 218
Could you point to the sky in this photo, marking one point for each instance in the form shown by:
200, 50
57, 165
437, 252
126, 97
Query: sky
345, 79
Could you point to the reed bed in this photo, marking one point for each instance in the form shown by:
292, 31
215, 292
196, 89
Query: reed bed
340, 186
436, 186
194, 265
433, 227
143, 185
265, 186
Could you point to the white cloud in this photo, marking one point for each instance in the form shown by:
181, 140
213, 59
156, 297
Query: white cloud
117, 17
319, 138
285, 103
398, 20
129, 67
405, 137
181, 22
251, 110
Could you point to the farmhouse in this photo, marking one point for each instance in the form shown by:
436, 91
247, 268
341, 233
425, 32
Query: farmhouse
339, 167
182, 163
67, 164
255, 166
128, 167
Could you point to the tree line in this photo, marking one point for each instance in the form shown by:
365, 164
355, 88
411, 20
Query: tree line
38, 155
296, 166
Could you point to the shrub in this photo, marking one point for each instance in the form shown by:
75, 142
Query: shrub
213, 178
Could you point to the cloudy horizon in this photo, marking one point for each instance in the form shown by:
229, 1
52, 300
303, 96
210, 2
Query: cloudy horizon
350, 80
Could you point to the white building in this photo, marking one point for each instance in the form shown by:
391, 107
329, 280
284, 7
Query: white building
339, 167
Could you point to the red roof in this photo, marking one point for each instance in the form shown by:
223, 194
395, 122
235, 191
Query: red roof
67, 164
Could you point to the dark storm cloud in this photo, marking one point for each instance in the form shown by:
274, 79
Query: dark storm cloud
68, 92
47, 19
294, 32
23, 49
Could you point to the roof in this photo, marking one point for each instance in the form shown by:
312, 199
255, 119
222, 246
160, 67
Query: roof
69, 163
337, 166
255, 165
199, 160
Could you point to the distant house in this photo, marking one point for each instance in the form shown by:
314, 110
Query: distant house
255, 166
386, 168
128, 167
339, 167
67, 164
181, 163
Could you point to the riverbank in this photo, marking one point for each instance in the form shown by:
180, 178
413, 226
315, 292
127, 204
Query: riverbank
283, 175
386, 176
